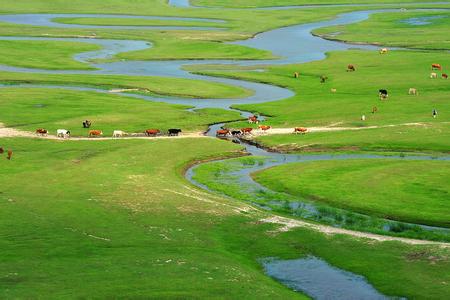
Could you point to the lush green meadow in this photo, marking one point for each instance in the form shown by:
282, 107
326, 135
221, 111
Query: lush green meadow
28, 109
409, 191
117, 219
401, 33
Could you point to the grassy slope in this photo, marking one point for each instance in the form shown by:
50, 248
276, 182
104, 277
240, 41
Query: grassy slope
410, 191
136, 22
430, 36
268, 3
44, 54
155, 85
163, 239
29, 109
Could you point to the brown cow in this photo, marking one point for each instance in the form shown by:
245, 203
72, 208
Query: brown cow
10, 153
351, 68
301, 130
42, 131
152, 132
247, 130
95, 133
222, 132
2, 150
436, 67
264, 128
253, 119
323, 78
444, 76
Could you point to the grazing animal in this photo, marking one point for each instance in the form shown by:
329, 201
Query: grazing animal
253, 120
444, 76
383, 94
63, 133
374, 109
413, 91
333, 90
95, 133
351, 68
301, 130
152, 132
264, 128
436, 67
174, 132
363, 117
10, 153
2, 150
42, 131
433, 75
247, 130
323, 78
296, 74
236, 132
87, 124
223, 132
119, 133
383, 51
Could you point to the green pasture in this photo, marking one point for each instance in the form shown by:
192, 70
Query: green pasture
52, 109
117, 219
425, 138
268, 3
52, 55
151, 85
409, 191
401, 34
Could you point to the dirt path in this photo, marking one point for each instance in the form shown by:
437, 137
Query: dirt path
12, 132
289, 224
329, 128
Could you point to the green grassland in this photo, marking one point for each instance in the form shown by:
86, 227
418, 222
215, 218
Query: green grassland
52, 55
373, 31
136, 22
31, 108
409, 191
116, 219
432, 138
155, 85
268, 3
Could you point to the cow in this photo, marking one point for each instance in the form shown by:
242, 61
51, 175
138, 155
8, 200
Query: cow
351, 68
413, 91
236, 132
301, 130
383, 94
10, 153
333, 90
95, 133
2, 150
87, 124
444, 76
264, 128
253, 120
374, 109
152, 132
436, 67
63, 133
323, 78
383, 51
247, 130
296, 74
42, 132
118, 133
433, 75
223, 132
173, 132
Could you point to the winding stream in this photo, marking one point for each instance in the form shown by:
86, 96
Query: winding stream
293, 44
